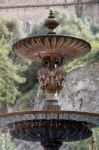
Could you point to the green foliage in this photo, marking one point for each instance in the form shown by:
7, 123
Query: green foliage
6, 143
97, 36
89, 58
80, 145
10, 31
9, 80
80, 27
25, 101
38, 29
31, 77
95, 28
95, 45
61, 17
88, 143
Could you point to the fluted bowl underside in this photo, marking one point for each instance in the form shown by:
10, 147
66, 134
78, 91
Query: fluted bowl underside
37, 47
50, 130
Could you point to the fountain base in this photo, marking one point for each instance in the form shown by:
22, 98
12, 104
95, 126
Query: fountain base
51, 145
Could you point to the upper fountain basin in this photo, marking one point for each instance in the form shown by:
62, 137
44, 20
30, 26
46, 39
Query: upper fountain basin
36, 47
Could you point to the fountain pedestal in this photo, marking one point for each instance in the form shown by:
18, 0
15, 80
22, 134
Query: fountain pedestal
51, 145
51, 104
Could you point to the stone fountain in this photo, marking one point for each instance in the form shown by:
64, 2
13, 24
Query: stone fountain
51, 126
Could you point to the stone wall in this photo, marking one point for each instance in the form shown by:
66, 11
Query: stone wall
81, 89
35, 10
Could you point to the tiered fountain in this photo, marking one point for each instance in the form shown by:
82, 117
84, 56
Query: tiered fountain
51, 126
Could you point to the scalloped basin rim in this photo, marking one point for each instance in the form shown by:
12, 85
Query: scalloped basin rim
88, 117
53, 35
48, 112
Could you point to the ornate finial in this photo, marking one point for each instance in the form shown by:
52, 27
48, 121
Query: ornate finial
51, 22
51, 13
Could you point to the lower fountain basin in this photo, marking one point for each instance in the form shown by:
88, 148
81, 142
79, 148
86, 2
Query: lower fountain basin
50, 125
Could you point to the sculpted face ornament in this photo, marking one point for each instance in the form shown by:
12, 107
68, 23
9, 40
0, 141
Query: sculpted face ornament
51, 126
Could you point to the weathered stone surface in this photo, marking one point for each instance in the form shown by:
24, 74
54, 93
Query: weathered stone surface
23, 145
81, 89
36, 146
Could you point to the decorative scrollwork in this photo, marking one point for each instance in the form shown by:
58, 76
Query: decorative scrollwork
51, 80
